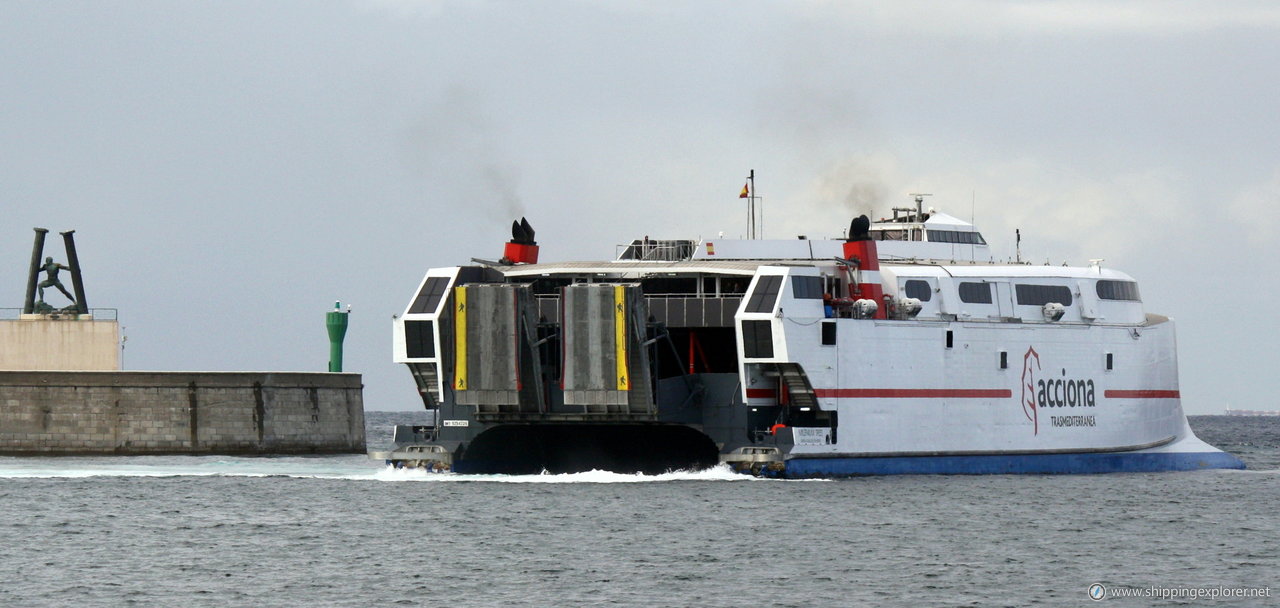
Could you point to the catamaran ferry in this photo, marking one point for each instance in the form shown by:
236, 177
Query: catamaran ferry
900, 348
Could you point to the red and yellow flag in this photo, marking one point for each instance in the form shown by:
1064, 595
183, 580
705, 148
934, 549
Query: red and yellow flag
744, 191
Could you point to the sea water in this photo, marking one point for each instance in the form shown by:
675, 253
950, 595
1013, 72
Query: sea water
348, 531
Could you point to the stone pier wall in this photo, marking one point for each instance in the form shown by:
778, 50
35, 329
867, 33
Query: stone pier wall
59, 412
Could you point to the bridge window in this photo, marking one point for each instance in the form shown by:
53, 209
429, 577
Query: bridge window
1039, 295
428, 299
918, 289
975, 293
757, 339
806, 288
420, 339
765, 294
1119, 290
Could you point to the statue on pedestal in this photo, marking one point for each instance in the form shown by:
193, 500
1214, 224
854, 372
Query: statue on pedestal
51, 269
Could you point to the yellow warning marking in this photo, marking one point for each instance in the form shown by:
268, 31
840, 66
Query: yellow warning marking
460, 338
620, 335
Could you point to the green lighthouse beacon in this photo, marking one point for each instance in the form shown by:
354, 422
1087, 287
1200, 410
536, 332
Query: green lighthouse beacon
336, 322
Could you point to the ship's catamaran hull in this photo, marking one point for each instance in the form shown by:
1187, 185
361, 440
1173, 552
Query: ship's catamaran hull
807, 358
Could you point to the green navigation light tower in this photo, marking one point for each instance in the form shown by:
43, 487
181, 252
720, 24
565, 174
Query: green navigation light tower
336, 322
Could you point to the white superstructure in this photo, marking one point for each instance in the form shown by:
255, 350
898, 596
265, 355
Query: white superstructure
903, 349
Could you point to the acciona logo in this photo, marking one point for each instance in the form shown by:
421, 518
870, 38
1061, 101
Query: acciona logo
1039, 392
1030, 365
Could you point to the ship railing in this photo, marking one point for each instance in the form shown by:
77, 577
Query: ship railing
647, 250
554, 297
97, 314
673, 310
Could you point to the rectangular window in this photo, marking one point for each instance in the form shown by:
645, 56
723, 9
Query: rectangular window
828, 333
975, 293
428, 299
420, 339
806, 288
955, 236
1004, 359
950, 339
1110, 362
734, 285
1039, 295
889, 235
1118, 290
670, 285
757, 339
765, 295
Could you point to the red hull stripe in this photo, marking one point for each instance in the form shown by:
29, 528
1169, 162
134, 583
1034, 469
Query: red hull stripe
761, 393
914, 393
1142, 394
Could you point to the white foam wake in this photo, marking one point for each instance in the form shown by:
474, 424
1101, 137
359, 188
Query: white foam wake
720, 472
350, 467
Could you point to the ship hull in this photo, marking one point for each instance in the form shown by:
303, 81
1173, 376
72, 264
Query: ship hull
1010, 464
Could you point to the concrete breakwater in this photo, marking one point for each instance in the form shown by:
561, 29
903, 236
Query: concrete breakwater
115, 412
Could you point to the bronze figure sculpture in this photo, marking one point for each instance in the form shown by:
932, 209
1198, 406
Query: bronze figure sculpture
51, 269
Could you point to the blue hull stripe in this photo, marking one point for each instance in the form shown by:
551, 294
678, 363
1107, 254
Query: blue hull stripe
1122, 462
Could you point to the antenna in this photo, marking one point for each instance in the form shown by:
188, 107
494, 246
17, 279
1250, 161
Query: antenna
761, 199
919, 199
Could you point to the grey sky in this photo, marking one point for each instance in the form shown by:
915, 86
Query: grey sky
231, 168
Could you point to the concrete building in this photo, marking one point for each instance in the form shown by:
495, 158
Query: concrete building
68, 342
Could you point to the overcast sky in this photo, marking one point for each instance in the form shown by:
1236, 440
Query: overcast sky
232, 168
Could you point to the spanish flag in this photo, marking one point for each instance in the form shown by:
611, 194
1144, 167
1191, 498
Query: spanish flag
744, 191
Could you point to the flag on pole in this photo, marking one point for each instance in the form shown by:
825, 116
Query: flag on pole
744, 191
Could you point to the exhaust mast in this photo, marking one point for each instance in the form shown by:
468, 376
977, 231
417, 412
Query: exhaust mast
860, 249
521, 249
